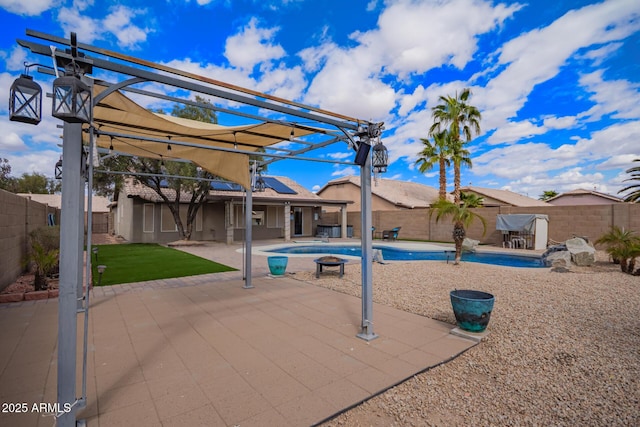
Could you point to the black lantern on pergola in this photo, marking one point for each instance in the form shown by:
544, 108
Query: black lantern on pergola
380, 159
71, 96
25, 101
71, 99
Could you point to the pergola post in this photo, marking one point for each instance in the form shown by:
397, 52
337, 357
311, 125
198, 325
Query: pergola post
71, 241
248, 229
287, 221
366, 331
343, 221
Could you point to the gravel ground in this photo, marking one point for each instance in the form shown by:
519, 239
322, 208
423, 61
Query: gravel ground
563, 348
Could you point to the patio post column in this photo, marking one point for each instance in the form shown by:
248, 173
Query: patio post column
71, 243
366, 331
228, 224
248, 227
343, 221
287, 221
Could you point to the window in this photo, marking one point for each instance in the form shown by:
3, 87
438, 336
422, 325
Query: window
167, 223
147, 218
275, 216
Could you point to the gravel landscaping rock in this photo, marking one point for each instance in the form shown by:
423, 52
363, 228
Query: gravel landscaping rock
563, 349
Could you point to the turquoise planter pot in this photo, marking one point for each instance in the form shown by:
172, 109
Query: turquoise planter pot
277, 265
472, 309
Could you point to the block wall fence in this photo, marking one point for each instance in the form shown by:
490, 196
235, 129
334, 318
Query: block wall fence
564, 222
18, 217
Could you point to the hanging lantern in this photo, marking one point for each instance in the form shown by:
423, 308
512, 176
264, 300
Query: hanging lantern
25, 101
380, 158
261, 185
71, 100
58, 169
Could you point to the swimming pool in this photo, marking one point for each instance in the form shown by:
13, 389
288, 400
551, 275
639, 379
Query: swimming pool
395, 254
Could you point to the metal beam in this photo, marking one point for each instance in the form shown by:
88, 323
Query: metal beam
182, 73
197, 87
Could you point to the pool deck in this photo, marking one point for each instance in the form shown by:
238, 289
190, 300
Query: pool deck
204, 351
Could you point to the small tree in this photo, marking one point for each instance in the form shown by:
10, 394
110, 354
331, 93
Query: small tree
623, 246
462, 216
44, 254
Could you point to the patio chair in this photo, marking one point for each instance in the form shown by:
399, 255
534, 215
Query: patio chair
391, 234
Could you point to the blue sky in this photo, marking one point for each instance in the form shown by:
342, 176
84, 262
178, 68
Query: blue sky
557, 82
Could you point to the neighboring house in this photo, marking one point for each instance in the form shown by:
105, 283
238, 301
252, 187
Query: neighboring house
495, 198
584, 197
284, 210
386, 194
99, 208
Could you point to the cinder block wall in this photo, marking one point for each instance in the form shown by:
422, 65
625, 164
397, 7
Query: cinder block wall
18, 217
564, 222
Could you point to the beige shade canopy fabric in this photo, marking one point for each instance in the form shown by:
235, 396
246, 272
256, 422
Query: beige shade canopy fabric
118, 114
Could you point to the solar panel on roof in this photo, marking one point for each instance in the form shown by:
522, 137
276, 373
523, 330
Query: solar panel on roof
276, 185
225, 186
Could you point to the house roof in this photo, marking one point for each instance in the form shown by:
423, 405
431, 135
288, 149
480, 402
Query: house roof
400, 193
133, 188
584, 192
505, 196
98, 203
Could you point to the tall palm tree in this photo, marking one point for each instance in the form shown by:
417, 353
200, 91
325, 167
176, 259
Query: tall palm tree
461, 119
462, 216
459, 156
436, 152
634, 196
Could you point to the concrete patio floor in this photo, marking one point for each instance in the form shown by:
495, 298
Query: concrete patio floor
204, 351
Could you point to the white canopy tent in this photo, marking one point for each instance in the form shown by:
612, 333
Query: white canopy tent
535, 226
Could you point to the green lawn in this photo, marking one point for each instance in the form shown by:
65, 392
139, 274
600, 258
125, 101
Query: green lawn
138, 262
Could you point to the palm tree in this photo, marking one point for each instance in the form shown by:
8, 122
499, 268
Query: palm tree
623, 246
547, 194
462, 216
634, 196
436, 152
460, 118
472, 200
459, 156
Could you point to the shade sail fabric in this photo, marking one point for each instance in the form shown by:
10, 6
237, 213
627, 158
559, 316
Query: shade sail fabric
519, 222
118, 114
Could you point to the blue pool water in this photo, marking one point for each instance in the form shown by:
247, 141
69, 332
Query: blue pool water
394, 254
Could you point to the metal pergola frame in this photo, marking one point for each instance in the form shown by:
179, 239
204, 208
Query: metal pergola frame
130, 71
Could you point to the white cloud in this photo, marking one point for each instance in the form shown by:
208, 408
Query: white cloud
616, 97
352, 80
28, 7
315, 188
339, 156
565, 122
345, 171
621, 161
118, 23
32, 161
538, 55
404, 40
16, 59
602, 53
11, 141
252, 46
515, 131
